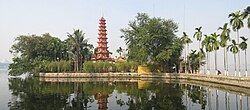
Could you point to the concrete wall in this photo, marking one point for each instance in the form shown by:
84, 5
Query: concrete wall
220, 79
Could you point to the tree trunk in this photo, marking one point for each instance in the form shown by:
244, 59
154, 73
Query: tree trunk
234, 65
208, 62
188, 58
199, 59
225, 70
238, 38
226, 62
216, 66
81, 61
246, 63
185, 59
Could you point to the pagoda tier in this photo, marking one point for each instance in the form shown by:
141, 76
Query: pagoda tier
102, 53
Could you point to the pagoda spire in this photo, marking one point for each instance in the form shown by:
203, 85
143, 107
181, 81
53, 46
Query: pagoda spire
102, 53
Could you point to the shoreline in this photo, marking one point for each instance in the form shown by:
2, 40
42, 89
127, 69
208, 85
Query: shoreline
219, 79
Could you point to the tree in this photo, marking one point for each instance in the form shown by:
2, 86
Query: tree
224, 38
207, 43
198, 36
234, 49
215, 47
243, 47
77, 45
195, 57
246, 14
32, 51
186, 40
119, 51
237, 23
152, 40
202, 56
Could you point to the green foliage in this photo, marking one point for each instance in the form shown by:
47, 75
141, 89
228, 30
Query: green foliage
133, 66
207, 43
233, 47
119, 51
198, 34
55, 66
20, 66
104, 67
32, 51
195, 57
33, 46
89, 67
97, 67
154, 67
246, 14
79, 47
33, 54
225, 35
215, 43
236, 20
243, 44
152, 39
122, 67
185, 38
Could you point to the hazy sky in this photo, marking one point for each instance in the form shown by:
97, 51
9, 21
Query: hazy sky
57, 17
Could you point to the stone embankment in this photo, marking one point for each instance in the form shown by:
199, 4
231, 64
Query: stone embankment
220, 79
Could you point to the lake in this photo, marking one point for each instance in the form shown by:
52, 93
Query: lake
118, 94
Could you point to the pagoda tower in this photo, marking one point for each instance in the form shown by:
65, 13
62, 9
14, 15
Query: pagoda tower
102, 53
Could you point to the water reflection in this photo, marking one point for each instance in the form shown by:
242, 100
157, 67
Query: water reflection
32, 94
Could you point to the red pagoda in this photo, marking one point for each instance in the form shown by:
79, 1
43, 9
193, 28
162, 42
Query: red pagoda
102, 53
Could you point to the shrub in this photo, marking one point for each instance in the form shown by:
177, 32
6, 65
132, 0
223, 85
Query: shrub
55, 66
65, 66
122, 67
154, 67
103, 67
133, 66
89, 67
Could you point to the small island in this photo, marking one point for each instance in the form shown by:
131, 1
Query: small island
153, 51
138, 55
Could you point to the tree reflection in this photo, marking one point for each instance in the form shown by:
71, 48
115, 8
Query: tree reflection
165, 97
31, 94
198, 95
28, 95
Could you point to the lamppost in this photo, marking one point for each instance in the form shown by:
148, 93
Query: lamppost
57, 58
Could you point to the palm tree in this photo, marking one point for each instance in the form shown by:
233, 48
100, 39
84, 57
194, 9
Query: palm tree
224, 37
202, 55
207, 43
186, 40
77, 46
246, 14
234, 49
119, 50
215, 47
237, 23
198, 36
243, 47
193, 57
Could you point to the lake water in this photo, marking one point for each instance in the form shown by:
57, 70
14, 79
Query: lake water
118, 94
